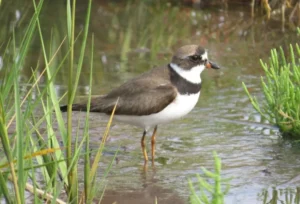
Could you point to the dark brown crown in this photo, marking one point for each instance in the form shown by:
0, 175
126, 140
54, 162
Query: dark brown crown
189, 56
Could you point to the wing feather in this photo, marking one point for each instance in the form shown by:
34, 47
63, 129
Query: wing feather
149, 93
142, 100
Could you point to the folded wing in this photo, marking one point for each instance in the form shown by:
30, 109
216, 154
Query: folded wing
135, 98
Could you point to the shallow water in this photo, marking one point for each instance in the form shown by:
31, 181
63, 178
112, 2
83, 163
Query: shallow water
130, 39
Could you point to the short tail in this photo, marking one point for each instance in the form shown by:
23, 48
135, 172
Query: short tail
75, 107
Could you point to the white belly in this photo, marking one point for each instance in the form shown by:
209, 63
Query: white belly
181, 106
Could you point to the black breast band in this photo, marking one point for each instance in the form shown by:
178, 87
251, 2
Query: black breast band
183, 86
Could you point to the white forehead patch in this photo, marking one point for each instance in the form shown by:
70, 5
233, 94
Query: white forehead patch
204, 56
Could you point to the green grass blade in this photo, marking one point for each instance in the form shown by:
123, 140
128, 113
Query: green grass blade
20, 139
4, 189
82, 52
100, 150
86, 133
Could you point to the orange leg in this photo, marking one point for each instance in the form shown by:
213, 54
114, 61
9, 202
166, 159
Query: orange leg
153, 141
144, 146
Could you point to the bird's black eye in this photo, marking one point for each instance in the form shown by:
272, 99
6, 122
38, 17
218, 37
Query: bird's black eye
195, 58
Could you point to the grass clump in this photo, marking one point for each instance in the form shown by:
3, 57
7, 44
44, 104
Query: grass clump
281, 89
36, 158
209, 193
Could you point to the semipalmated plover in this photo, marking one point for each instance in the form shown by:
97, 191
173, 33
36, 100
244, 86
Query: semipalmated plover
158, 96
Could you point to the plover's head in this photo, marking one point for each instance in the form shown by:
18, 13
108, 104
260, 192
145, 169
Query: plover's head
190, 56
190, 60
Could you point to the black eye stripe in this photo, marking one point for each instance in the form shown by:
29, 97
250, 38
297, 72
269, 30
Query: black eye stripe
195, 57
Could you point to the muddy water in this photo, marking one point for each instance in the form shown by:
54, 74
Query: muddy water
132, 38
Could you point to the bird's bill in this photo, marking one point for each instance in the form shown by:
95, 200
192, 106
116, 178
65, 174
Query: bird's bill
209, 65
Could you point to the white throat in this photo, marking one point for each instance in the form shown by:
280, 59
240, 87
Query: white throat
191, 75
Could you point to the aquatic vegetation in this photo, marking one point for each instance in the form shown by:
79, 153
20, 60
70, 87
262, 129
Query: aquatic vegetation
281, 89
38, 157
209, 193
284, 196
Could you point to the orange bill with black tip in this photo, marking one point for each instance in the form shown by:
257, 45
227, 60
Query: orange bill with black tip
209, 65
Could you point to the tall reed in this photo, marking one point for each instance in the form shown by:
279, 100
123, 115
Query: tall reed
35, 160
